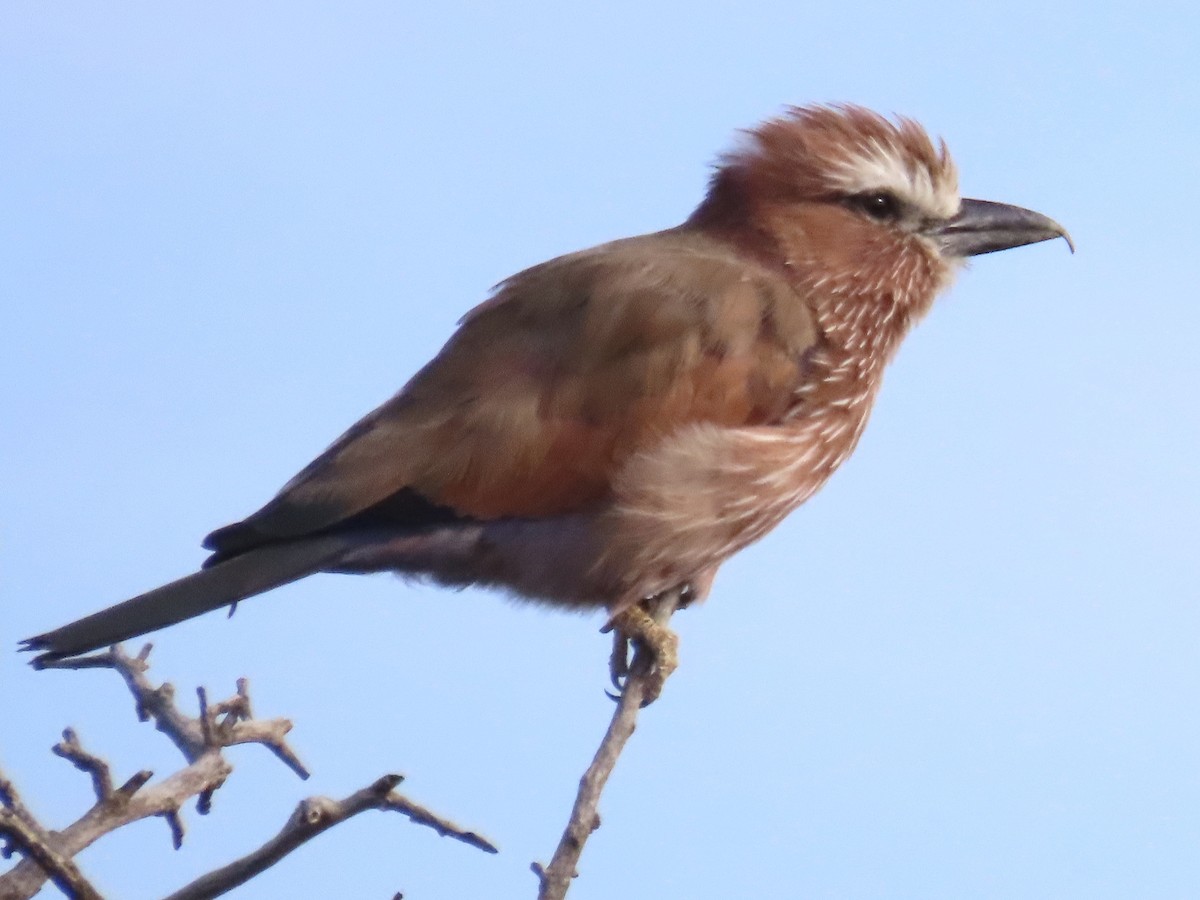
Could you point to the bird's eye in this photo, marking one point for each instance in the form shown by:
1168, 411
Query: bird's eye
879, 205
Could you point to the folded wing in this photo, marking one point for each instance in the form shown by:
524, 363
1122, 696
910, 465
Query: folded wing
549, 386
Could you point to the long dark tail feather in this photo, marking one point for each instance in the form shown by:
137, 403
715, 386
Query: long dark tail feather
236, 579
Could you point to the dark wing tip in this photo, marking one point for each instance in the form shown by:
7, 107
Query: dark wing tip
221, 538
230, 541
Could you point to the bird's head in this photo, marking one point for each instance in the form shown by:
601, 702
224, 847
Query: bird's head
853, 203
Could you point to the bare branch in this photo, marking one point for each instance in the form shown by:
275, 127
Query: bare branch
419, 815
72, 751
129, 803
23, 834
640, 685
201, 740
227, 723
312, 817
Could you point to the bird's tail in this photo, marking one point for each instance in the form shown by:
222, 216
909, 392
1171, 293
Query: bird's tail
235, 579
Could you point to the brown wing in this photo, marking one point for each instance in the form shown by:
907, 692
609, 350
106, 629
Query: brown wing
547, 387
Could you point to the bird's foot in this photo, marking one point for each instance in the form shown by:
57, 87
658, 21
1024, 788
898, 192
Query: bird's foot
656, 651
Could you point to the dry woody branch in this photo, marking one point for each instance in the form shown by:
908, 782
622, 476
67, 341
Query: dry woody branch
48, 855
640, 684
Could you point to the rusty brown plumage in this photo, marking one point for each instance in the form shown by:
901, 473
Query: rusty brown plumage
617, 422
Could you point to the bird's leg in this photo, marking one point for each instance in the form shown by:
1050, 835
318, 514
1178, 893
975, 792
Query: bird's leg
656, 650
656, 645
693, 591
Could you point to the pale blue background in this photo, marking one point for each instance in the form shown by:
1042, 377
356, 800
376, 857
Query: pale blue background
967, 668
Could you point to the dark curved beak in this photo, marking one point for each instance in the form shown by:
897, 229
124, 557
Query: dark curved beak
982, 226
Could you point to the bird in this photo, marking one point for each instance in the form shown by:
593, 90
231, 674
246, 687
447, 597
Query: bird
615, 423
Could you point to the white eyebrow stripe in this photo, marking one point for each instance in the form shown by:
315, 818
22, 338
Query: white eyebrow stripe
874, 166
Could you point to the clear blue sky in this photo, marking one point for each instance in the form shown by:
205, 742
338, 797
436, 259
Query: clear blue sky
968, 667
